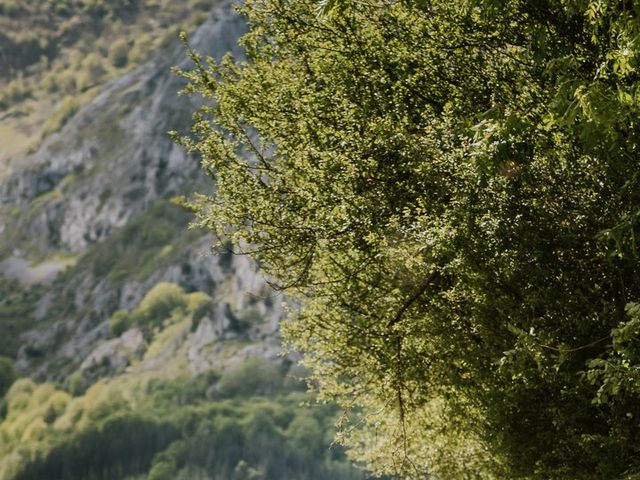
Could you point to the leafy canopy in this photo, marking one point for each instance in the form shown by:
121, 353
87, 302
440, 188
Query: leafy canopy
450, 190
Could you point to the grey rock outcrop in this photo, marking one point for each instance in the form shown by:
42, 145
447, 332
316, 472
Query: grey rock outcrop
113, 356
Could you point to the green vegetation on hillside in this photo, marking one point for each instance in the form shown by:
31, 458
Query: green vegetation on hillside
16, 314
451, 189
145, 245
155, 419
169, 430
142, 246
159, 304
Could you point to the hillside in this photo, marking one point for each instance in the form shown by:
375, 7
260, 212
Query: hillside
116, 316
56, 55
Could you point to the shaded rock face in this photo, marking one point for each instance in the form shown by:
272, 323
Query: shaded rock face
113, 356
105, 168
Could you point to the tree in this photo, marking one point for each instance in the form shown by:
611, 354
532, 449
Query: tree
450, 191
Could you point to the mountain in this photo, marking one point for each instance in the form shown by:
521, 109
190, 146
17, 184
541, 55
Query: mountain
94, 201
117, 318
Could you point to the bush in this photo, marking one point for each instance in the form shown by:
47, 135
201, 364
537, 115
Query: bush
49, 82
120, 322
119, 53
63, 113
140, 49
199, 304
67, 82
159, 302
7, 375
165, 470
182, 390
305, 436
22, 386
76, 384
17, 90
92, 71
19, 395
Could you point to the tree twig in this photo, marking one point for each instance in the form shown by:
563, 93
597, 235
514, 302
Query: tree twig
411, 300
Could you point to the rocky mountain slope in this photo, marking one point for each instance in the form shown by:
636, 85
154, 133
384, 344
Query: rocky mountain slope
88, 215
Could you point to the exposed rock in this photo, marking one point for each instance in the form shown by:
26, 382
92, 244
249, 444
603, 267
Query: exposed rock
17, 268
113, 356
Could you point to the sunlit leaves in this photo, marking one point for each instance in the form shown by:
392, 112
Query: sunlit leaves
449, 191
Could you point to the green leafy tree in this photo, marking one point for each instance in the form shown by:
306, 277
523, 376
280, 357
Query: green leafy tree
450, 190
304, 436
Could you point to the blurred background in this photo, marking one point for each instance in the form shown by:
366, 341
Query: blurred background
128, 349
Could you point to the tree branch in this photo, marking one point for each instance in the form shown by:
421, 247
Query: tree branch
410, 301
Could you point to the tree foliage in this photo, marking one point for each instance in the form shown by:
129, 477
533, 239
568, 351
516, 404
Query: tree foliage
450, 189
169, 428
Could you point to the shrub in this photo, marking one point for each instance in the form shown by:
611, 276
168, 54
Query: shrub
140, 49
7, 375
63, 113
92, 71
24, 385
119, 53
159, 302
120, 322
67, 82
199, 304
305, 436
49, 82
17, 90
19, 395
164, 470
76, 384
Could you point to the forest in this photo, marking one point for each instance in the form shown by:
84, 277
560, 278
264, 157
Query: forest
160, 423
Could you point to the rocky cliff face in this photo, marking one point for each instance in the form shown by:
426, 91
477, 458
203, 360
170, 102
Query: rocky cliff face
113, 157
85, 222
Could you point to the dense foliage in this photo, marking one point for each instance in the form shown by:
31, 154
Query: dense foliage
171, 431
451, 191
15, 306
